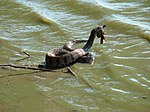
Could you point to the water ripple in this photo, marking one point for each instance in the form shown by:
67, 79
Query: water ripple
124, 66
121, 91
119, 78
136, 58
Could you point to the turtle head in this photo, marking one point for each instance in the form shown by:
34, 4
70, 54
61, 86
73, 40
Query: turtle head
100, 33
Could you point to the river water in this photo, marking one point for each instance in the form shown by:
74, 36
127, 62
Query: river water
119, 79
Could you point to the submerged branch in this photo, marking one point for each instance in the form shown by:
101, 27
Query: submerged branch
24, 67
19, 74
74, 74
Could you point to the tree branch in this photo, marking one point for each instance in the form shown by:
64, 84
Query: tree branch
24, 67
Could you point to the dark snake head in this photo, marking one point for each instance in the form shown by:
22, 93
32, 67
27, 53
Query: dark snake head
100, 33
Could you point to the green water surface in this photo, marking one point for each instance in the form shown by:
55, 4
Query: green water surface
119, 79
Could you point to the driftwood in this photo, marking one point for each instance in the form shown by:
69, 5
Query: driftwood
24, 67
31, 68
37, 69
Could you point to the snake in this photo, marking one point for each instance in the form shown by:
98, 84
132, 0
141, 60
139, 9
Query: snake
67, 56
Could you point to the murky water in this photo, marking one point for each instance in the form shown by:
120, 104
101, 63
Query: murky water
118, 81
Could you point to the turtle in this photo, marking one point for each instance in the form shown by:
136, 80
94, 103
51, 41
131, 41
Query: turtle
67, 56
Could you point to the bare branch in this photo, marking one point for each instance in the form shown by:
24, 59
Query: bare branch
24, 67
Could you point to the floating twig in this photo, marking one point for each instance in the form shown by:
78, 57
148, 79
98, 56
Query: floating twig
24, 58
26, 53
